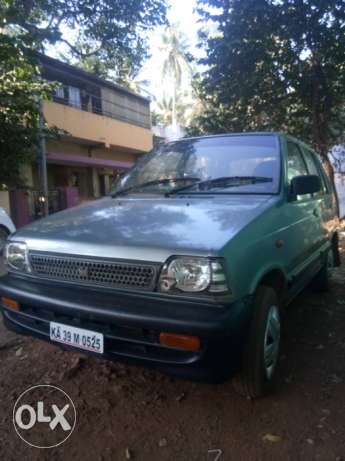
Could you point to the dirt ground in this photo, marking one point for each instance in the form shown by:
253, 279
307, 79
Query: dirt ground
126, 412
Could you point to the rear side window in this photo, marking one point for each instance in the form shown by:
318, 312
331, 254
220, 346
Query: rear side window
315, 168
296, 163
312, 168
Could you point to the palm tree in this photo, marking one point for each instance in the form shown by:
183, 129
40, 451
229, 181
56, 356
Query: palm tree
174, 49
165, 110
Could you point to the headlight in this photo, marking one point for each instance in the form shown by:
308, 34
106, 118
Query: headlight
16, 256
192, 275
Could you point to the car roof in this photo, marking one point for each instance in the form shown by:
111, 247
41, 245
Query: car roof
223, 135
249, 133
302, 143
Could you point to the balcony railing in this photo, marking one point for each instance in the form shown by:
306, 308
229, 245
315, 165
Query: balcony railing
91, 103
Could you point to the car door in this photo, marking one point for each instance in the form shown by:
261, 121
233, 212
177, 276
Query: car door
304, 235
324, 200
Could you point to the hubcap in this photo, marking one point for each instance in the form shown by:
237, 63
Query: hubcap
271, 341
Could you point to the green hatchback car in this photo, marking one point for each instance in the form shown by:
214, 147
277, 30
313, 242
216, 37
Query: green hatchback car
187, 265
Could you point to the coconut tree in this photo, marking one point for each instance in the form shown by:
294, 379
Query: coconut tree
174, 49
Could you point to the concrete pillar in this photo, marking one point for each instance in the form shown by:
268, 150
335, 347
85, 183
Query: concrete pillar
95, 183
107, 184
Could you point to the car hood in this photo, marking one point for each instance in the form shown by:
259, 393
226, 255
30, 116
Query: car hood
145, 228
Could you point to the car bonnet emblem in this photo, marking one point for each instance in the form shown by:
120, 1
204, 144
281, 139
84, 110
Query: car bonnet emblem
83, 272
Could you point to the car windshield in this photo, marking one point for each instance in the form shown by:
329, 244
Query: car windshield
225, 164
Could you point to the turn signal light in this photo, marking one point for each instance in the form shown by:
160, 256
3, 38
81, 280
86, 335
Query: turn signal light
187, 343
10, 303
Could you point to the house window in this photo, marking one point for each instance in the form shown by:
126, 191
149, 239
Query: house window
59, 92
74, 98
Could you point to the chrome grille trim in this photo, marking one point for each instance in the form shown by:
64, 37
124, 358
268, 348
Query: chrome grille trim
88, 271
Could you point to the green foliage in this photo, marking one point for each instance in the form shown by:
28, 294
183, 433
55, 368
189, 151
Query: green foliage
20, 90
108, 34
92, 64
114, 31
274, 65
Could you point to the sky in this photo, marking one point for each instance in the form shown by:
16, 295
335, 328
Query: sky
181, 11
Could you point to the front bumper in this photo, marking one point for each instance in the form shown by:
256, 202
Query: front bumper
131, 323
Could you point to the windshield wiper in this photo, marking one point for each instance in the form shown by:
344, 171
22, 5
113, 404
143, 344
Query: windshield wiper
224, 181
156, 182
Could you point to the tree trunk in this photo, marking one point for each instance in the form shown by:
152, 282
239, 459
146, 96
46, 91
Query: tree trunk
174, 120
320, 114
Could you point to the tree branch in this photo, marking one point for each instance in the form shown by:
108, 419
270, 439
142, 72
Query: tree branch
76, 51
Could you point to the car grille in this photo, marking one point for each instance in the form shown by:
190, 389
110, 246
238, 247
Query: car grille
114, 274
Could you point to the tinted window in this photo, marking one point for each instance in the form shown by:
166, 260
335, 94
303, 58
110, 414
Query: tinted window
207, 159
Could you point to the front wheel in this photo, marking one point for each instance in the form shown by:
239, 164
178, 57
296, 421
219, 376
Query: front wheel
261, 352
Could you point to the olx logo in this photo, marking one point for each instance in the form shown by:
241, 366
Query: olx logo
44, 416
58, 419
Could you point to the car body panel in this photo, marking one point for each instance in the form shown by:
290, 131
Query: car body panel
148, 228
289, 236
6, 221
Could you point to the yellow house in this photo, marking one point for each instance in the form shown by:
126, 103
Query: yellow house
106, 127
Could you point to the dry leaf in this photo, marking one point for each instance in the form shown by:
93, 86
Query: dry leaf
272, 438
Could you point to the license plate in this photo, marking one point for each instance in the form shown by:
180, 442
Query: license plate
77, 337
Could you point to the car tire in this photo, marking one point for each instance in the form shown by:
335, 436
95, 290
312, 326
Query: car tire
261, 351
4, 233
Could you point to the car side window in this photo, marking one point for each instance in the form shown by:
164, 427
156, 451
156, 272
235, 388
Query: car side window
296, 163
315, 168
296, 166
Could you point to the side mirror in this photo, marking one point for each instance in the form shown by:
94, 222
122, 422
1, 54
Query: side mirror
307, 184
